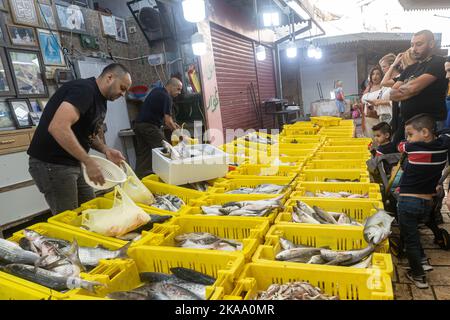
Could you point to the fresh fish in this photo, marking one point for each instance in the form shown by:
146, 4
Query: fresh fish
168, 202
192, 276
242, 190
129, 295
356, 255
11, 252
296, 253
212, 210
174, 154
344, 219
293, 291
300, 216
27, 245
317, 259
91, 256
377, 227
245, 208
49, 279
305, 208
341, 180
69, 263
175, 292
37, 239
227, 210
324, 215
286, 244
154, 276
363, 264
198, 237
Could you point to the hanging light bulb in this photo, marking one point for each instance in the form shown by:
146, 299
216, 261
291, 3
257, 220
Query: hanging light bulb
194, 10
311, 51
291, 51
198, 44
318, 53
260, 53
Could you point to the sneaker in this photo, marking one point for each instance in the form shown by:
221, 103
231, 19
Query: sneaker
425, 266
420, 282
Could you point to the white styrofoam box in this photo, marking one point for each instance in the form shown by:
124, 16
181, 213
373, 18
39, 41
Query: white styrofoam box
211, 164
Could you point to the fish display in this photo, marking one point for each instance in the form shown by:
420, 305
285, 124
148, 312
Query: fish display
259, 189
183, 151
199, 186
291, 252
168, 202
341, 180
293, 291
204, 240
136, 234
256, 208
377, 227
11, 252
341, 194
182, 284
303, 213
253, 137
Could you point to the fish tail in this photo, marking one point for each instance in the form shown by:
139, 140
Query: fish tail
123, 252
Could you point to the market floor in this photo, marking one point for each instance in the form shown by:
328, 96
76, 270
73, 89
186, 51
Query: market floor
438, 279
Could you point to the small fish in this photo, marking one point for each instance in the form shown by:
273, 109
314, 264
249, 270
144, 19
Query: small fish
11, 252
317, 259
91, 256
212, 210
355, 255
324, 215
378, 227
176, 292
300, 216
364, 264
297, 253
286, 244
192, 276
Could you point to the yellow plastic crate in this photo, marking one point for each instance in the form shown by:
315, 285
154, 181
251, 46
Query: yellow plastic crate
372, 189
109, 272
342, 239
223, 266
296, 146
300, 130
262, 147
263, 171
246, 230
326, 121
233, 184
220, 199
241, 150
15, 288
347, 285
348, 142
331, 135
320, 155
362, 149
156, 178
347, 123
295, 152
71, 219
336, 164
322, 174
291, 160
358, 210
302, 139
160, 189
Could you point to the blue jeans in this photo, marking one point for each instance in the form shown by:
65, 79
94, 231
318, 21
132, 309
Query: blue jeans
63, 186
411, 211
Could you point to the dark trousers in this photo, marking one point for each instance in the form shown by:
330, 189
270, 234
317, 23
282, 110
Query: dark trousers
148, 136
411, 211
63, 186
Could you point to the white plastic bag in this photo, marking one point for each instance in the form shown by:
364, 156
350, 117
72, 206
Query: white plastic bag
135, 189
124, 217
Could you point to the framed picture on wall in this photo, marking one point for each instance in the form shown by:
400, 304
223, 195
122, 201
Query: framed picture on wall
70, 18
22, 36
121, 30
28, 73
35, 117
7, 121
24, 12
3, 5
42, 103
20, 109
47, 16
6, 80
3, 32
50, 44
108, 25
34, 105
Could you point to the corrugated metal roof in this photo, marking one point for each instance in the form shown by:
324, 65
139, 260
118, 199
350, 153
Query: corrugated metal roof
424, 5
363, 36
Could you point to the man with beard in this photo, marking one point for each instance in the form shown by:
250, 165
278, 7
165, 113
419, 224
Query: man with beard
68, 128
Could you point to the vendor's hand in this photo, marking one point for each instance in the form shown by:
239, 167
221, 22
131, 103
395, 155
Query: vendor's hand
114, 156
94, 172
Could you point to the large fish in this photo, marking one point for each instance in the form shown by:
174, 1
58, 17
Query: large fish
11, 252
297, 253
48, 278
355, 256
324, 215
37, 239
192, 276
377, 227
91, 256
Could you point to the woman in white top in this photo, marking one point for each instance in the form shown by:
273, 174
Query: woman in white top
374, 91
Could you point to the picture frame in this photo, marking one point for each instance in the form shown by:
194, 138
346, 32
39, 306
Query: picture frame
3, 6
22, 36
65, 13
21, 109
42, 103
7, 121
50, 45
34, 106
3, 32
28, 73
121, 29
108, 25
24, 12
47, 16
35, 117
6, 79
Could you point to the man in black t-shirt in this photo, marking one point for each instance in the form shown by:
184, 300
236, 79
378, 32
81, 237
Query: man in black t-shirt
68, 128
155, 112
421, 87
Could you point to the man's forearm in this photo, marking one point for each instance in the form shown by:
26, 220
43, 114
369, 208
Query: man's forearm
401, 93
98, 145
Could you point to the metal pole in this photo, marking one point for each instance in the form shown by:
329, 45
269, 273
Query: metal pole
279, 83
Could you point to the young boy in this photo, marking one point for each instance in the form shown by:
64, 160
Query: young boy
382, 134
427, 156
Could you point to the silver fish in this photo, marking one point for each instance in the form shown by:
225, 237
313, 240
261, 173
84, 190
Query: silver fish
356, 255
212, 210
38, 238
300, 216
91, 256
378, 227
295, 253
286, 244
176, 292
11, 252
363, 264
317, 259
198, 237
48, 278
324, 215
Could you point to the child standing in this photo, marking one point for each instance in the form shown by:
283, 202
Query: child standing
382, 134
427, 156
340, 98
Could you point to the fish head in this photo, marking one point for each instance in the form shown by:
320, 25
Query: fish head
30, 234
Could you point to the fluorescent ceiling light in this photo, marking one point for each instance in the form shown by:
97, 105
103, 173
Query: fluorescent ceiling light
298, 9
291, 51
271, 19
194, 10
260, 53
198, 44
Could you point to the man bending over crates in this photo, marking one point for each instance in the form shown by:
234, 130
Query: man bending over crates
69, 127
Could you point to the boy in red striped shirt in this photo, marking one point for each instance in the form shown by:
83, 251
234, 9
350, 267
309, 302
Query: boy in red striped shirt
427, 156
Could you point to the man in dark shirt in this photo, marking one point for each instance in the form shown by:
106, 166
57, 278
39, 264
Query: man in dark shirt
155, 112
68, 128
421, 87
